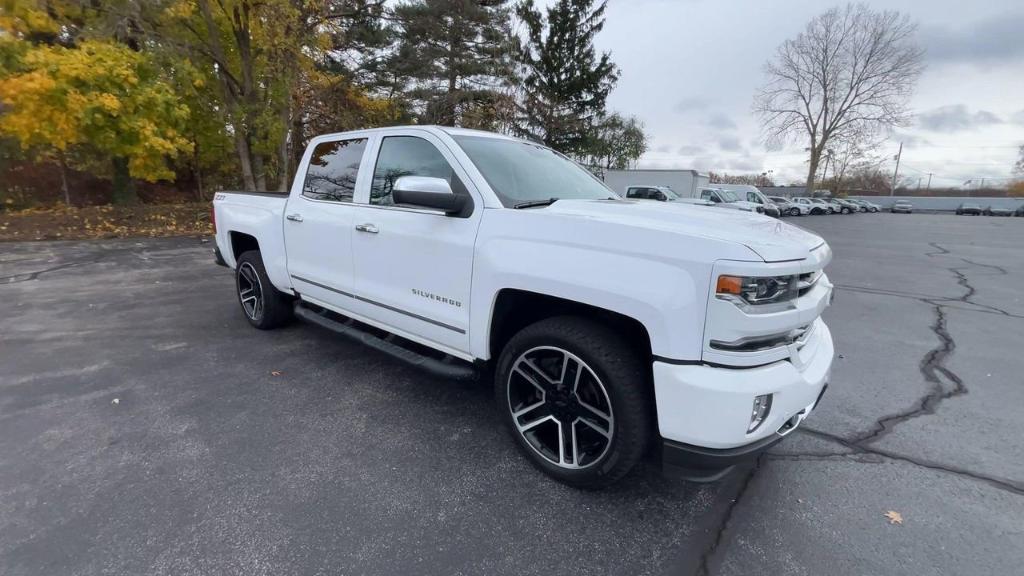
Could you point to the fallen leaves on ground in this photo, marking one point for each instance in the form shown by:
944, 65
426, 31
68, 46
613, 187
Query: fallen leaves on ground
894, 517
275, 373
70, 223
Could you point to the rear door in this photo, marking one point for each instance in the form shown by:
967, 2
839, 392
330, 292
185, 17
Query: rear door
318, 222
414, 266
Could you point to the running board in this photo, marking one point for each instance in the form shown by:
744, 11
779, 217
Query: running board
456, 370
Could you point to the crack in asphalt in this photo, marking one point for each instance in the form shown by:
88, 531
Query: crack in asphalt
26, 276
709, 554
933, 364
859, 450
104, 254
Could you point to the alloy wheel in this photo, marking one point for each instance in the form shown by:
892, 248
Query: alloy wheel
560, 407
250, 291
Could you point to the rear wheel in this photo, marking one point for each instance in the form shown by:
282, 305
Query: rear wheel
575, 397
265, 307
794, 211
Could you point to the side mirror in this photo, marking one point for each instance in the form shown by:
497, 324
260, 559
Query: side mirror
427, 192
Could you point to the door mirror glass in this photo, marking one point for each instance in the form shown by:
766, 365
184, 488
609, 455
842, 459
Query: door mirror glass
427, 192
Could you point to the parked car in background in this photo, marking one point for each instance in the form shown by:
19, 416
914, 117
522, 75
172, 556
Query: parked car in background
825, 206
997, 211
729, 199
812, 207
659, 193
902, 207
866, 206
790, 208
662, 194
846, 207
1019, 211
968, 209
751, 194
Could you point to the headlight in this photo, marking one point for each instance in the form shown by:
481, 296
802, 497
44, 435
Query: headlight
758, 293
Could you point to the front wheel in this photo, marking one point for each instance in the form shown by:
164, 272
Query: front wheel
576, 399
265, 307
794, 212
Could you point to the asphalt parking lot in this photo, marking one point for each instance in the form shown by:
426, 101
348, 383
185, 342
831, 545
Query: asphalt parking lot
145, 428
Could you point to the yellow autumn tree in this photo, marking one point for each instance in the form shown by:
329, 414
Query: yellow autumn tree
101, 97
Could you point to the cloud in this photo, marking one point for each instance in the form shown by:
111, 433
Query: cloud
663, 149
994, 39
1018, 117
743, 165
729, 143
688, 150
691, 104
955, 118
721, 121
910, 139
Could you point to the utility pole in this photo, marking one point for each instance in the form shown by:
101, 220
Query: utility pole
892, 187
929, 181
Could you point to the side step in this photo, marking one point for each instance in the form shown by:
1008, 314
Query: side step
456, 370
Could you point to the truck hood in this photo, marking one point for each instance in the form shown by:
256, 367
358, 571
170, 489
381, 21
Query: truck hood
771, 239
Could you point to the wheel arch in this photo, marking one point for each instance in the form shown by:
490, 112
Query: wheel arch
241, 243
515, 309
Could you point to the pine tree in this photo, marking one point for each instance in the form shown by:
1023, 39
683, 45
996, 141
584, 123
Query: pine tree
456, 55
565, 81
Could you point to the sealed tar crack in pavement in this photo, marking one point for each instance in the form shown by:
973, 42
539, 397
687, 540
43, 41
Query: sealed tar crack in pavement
946, 385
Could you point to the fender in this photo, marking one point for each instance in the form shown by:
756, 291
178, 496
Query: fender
591, 267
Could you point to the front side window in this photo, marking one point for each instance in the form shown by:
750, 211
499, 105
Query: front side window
333, 169
407, 156
521, 172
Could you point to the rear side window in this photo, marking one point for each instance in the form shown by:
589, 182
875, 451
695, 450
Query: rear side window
333, 169
407, 156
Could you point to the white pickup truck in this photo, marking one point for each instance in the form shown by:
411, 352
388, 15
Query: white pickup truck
607, 323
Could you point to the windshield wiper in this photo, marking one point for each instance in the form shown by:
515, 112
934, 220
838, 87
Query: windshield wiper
535, 203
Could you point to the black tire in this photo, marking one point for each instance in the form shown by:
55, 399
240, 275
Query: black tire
272, 308
620, 374
794, 211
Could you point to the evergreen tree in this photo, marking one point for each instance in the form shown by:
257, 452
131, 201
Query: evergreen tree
456, 56
565, 81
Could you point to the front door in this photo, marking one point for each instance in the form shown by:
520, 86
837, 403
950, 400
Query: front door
414, 266
318, 223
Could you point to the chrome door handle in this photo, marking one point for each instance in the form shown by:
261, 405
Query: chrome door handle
367, 228
294, 217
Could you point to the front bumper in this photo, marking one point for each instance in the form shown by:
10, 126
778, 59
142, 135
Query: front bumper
706, 409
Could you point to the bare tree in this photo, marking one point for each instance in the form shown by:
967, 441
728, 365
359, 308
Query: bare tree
851, 71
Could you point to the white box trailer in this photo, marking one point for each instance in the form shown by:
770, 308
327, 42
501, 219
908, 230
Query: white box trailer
686, 183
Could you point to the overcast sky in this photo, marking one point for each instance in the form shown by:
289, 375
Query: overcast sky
690, 68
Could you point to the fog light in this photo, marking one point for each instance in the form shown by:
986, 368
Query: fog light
762, 406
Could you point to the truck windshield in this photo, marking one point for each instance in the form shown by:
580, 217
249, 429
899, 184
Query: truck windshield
521, 172
669, 193
728, 196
